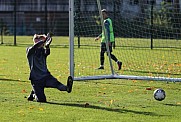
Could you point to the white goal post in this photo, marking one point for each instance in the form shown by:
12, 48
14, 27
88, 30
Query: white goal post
148, 43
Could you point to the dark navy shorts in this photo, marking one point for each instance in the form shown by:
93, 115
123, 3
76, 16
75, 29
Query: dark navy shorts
103, 47
47, 82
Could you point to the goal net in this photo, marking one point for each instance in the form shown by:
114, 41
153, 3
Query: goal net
147, 39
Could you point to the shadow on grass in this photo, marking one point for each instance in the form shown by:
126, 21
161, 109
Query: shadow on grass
176, 105
147, 72
15, 80
106, 108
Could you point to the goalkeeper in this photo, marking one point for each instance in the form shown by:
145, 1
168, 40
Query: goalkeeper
110, 37
39, 74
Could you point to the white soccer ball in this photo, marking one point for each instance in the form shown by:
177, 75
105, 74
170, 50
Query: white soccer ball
159, 94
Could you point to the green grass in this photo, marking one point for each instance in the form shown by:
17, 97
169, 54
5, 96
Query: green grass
137, 57
91, 101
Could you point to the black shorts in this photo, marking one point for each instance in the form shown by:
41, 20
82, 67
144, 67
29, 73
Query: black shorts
103, 47
39, 85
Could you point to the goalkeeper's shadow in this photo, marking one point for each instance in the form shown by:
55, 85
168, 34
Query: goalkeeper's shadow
119, 110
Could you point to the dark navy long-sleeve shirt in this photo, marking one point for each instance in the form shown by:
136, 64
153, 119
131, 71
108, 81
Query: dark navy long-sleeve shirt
37, 61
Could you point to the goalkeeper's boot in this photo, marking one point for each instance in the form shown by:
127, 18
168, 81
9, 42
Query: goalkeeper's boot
31, 97
119, 65
69, 84
101, 67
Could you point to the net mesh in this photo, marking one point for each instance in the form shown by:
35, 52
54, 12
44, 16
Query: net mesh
147, 38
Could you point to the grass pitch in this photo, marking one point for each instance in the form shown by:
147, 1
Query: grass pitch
90, 101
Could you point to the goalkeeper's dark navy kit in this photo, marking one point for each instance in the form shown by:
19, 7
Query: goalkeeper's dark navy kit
37, 61
39, 75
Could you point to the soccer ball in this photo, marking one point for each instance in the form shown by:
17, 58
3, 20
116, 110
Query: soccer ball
159, 94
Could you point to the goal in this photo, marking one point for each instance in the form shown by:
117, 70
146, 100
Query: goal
147, 40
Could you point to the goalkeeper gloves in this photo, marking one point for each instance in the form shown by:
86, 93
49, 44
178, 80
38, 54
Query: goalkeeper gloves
48, 40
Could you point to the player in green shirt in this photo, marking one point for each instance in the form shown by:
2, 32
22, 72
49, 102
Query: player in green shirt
110, 39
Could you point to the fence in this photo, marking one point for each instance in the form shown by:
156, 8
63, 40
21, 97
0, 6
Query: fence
19, 17
26, 17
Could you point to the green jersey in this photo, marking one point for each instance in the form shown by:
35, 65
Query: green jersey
109, 31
